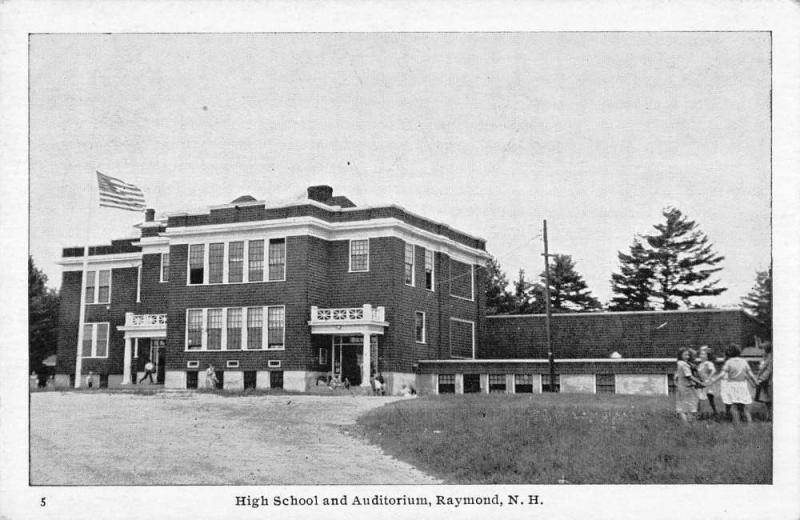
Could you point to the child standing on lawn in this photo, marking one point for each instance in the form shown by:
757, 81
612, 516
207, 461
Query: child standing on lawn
705, 371
764, 378
735, 390
685, 382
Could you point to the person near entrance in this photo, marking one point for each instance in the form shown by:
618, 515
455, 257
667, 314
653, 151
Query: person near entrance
211, 377
149, 368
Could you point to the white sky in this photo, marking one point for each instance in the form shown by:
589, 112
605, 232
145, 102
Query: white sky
489, 133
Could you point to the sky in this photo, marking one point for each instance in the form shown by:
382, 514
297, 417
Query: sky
490, 133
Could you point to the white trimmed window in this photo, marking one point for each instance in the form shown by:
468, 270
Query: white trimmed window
462, 280
164, 267
255, 327
194, 329
255, 261
235, 262
95, 340
276, 327
234, 329
197, 262
98, 286
419, 327
214, 329
359, 255
429, 269
408, 265
277, 259
462, 338
216, 262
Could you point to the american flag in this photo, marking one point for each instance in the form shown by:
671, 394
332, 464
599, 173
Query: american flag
115, 193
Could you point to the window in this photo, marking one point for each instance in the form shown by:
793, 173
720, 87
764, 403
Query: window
604, 383
276, 379
447, 383
255, 261
191, 379
523, 383
232, 363
408, 265
472, 383
164, 267
234, 332
277, 259
275, 327
497, 383
98, 286
546, 383
429, 269
235, 262
461, 280
194, 328
671, 384
90, 286
95, 340
216, 260
323, 356
359, 255
255, 324
419, 327
462, 338
104, 286
196, 263
214, 329
193, 364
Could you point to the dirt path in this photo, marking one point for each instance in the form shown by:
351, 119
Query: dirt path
188, 438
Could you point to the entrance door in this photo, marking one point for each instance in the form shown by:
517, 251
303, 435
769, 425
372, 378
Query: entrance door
157, 355
347, 357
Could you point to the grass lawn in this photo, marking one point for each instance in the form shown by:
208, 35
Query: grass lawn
585, 439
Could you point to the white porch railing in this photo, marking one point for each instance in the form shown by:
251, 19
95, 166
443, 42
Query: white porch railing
145, 321
347, 314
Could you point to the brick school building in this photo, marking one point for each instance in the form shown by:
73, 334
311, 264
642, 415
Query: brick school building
285, 296
274, 297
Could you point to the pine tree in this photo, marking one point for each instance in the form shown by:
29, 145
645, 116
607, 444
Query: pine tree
633, 284
523, 301
759, 300
498, 298
568, 290
682, 261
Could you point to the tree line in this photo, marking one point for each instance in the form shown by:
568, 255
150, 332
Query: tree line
672, 266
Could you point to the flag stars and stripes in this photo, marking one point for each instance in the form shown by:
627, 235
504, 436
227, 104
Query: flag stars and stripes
115, 193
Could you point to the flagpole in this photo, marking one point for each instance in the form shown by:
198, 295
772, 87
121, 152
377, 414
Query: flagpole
82, 311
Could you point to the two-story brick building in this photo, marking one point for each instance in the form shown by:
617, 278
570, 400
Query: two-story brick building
274, 296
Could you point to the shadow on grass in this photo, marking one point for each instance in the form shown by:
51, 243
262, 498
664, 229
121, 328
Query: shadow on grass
577, 439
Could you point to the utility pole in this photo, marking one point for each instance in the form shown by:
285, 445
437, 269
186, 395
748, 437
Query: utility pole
550, 353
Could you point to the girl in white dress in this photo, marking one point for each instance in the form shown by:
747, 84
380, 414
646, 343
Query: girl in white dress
736, 378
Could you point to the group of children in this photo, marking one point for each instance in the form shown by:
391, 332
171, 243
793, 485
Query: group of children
697, 380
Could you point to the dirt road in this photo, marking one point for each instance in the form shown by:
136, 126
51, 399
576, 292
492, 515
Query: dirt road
190, 438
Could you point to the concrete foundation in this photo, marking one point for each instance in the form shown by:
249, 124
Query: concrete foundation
641, 384
174, 379
233, 381
577, 383
262, 379
296, 380
62, 381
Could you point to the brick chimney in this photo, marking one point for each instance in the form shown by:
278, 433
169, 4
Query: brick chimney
149, 215
320, 193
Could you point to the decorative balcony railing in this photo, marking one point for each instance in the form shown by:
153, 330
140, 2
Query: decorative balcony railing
348, 314
145, 321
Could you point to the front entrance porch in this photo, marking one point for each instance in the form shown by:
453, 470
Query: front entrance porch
354, 340
145, 336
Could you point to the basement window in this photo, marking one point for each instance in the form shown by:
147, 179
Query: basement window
276, 379
191, 378
249, 379
472, 383
604, 383
546, 383
497, 383
447, 383
523, 383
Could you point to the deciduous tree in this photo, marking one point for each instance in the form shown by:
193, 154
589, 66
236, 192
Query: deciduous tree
42, 317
